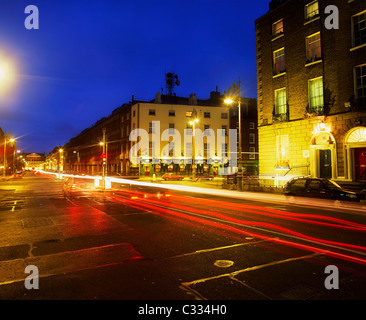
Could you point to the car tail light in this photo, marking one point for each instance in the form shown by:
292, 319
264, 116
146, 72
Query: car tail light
134, 197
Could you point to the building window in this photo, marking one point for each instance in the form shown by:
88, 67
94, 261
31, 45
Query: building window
251, 138
224, 115
225, 130
251, 125
171, 128
316, 99
207, 115
151, 112
311, 11
151, 128
134, 113
279, 61
188, 113
171, 113
359, 29
252, 153
171, 149
280, 102
360, 85
277, 28
313, 48
282, 149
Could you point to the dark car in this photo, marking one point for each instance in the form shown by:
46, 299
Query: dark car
78, 187
320, 188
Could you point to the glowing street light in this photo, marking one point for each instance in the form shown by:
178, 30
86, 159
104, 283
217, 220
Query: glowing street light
7, 74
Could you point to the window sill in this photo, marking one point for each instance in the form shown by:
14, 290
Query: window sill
313, 62
358, 47
277, 37
311, 20
279, 75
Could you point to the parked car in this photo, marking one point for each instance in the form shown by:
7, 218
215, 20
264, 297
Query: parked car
172, 176
18, 174
320, 188
78, 187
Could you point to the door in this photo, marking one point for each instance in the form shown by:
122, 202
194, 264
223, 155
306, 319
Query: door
360, 163
325, 158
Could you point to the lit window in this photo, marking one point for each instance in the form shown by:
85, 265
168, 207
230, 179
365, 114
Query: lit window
313, 48
359, 29
279, 61
280, 101
316, 99
189, 114
277, 28
311, 10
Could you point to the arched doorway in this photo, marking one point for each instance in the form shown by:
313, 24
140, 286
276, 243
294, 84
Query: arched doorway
323, 155
355, 151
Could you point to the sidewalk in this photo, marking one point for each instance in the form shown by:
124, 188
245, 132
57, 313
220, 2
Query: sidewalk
7, 178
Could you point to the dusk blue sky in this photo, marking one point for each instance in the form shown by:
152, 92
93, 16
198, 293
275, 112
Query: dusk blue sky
89, 57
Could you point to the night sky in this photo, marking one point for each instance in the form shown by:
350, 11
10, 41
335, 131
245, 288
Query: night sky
89, 57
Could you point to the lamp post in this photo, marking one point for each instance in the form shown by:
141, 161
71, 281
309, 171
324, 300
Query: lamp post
60, 151
193, 124
234, 90
104, 156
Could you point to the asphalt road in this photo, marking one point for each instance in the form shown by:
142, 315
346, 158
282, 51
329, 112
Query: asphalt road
175, 246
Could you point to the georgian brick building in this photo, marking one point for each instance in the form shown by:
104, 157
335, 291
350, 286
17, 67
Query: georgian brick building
311, 91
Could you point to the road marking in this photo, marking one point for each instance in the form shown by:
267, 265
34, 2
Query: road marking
217, 248
235, 273
13, 208
66, 262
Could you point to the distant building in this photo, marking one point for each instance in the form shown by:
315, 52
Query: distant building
83, 153
32, 161
311, 91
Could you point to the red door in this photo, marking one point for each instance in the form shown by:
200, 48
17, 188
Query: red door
360, 163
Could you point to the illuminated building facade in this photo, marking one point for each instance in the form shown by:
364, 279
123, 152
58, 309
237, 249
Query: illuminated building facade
83, 153
311, 83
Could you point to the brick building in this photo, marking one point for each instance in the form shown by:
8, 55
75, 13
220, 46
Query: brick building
311, 91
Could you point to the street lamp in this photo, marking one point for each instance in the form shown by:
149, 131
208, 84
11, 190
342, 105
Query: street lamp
60, 151
104, 159
234, 90
4, 162
6, 74
193, 124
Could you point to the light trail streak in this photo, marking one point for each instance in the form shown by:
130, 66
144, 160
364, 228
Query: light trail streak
269, 212
221, 222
